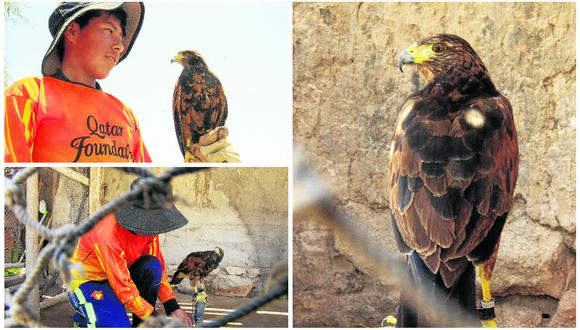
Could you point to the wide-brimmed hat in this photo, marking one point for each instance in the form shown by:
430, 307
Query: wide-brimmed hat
67, 12
156, 219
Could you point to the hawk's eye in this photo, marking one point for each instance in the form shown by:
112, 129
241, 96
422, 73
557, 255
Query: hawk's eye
438, 48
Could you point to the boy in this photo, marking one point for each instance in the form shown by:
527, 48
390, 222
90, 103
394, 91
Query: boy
64, 116
123, 266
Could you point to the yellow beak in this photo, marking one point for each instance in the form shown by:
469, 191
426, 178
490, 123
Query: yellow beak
415, 55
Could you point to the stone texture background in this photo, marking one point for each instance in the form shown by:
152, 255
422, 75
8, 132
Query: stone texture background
347, 93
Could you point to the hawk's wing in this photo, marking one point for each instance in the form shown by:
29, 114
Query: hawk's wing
199, 105
212, 262
192, 265
177, 117
222, 109
452, 176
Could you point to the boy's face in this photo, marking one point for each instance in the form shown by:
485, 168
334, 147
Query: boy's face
99, 45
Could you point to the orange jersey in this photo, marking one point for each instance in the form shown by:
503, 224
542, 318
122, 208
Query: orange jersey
52, 120
106, 253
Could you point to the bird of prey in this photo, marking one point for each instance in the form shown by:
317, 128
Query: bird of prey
453, 170
199, 102
197, 265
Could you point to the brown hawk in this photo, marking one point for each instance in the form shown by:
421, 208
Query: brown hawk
453, 170
199, 102
197, 265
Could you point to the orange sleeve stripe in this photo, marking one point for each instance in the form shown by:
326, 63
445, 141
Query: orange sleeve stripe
31, 126
120, 272
27, 115
8, 139
127, 295
98, 253
153, 247
21, 104
165, 291
19, 128
141, 151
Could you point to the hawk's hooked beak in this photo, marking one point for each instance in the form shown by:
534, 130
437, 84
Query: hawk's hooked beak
177, 58
415, 55
404, 58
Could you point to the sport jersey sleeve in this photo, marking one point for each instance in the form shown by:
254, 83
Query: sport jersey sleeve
115, 266
165, 291
139, 149
21, 106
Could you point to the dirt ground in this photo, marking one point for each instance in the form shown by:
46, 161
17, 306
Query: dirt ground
273, 315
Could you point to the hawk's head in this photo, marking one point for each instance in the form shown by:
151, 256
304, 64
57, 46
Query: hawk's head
444, 57
218, 250
190, 59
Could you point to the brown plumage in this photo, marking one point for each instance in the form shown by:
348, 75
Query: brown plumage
197, 265
199, 102
454, 161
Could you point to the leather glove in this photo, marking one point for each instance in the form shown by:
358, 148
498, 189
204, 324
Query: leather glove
213, 147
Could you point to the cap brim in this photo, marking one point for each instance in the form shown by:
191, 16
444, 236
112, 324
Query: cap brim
135, 13
150, 221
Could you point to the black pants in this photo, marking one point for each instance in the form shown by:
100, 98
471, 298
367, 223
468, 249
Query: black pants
146, 274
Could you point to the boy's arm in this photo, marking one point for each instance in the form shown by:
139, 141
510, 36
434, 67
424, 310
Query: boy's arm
19, 123
116, 269
165, 294
140, 153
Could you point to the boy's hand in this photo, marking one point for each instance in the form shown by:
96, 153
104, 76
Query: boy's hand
183, 316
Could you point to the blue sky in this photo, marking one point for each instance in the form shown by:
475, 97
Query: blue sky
247, 45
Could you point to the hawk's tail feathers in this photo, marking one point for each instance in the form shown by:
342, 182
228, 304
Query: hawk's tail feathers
460, 297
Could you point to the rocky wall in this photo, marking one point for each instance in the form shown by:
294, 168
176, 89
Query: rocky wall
347, 93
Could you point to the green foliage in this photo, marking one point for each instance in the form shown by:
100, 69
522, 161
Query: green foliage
12, 271
12, 255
